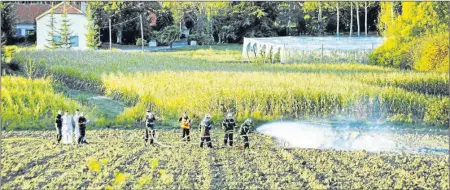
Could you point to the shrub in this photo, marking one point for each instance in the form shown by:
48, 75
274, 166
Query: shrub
434, 56
139, 42
168, 35
417, 37
202, 39
9, 52
429, 53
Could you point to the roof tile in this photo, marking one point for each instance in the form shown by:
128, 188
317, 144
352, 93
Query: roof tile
60, 8
26, 13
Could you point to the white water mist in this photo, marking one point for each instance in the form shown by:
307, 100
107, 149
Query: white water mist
302, 135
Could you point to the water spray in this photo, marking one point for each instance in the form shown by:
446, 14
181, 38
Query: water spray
322, 136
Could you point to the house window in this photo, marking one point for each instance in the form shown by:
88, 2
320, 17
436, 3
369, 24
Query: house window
18, 32
30, 32
56, 38
73, 40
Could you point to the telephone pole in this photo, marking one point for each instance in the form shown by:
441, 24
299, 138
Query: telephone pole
110, 38
142, 33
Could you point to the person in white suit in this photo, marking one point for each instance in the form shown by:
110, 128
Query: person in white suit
76, 129
67, 128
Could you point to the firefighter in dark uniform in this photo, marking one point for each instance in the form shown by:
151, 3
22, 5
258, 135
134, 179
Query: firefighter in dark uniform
185, 124
244, 130
205, 127
82, 125
228, 125
150, 127
58, 125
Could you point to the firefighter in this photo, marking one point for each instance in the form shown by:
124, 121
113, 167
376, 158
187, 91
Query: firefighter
82, 127
244, 130
58, 125
150, 127
205, 127
228, 125
185, 124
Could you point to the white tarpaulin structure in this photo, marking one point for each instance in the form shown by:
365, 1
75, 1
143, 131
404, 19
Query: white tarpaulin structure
310, 49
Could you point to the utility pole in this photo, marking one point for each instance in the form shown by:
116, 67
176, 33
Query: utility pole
321, 57
99, 36
110, 38
365, 18
142, 33
289, 20
1, 68
1, 74
337, 19
351, 19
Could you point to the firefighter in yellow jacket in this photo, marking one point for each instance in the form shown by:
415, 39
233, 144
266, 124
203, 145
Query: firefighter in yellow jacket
185, 124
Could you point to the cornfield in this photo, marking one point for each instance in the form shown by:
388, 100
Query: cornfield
268, 96
207, 81
28, 104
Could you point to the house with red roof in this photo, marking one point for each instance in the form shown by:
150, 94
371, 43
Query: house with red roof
33, 17
25, 15
77, 25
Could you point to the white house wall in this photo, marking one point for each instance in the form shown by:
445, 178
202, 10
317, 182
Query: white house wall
77, 27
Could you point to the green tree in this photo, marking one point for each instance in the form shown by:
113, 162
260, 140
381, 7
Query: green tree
215, 9
168, 35
123, 12
339, 7
178, 10
92, 35
206, 21
254, 19
64, 31
416, 38
52, 42
367, 6
314, 7
108, 10
226, 32
7, 21
318, 7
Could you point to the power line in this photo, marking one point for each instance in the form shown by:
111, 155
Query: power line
129, 20
138, 6
125, 9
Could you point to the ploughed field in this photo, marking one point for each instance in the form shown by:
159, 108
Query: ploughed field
118, 159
